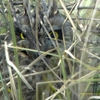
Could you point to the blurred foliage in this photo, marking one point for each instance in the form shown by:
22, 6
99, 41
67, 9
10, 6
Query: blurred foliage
86, 51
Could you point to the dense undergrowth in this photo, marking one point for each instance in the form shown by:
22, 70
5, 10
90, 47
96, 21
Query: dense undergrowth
49, 49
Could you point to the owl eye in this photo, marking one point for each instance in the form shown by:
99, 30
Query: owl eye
21, 35
54, 36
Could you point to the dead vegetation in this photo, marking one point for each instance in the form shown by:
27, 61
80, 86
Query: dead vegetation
49, 50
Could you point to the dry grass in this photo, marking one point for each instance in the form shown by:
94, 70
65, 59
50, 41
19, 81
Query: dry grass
37, 66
